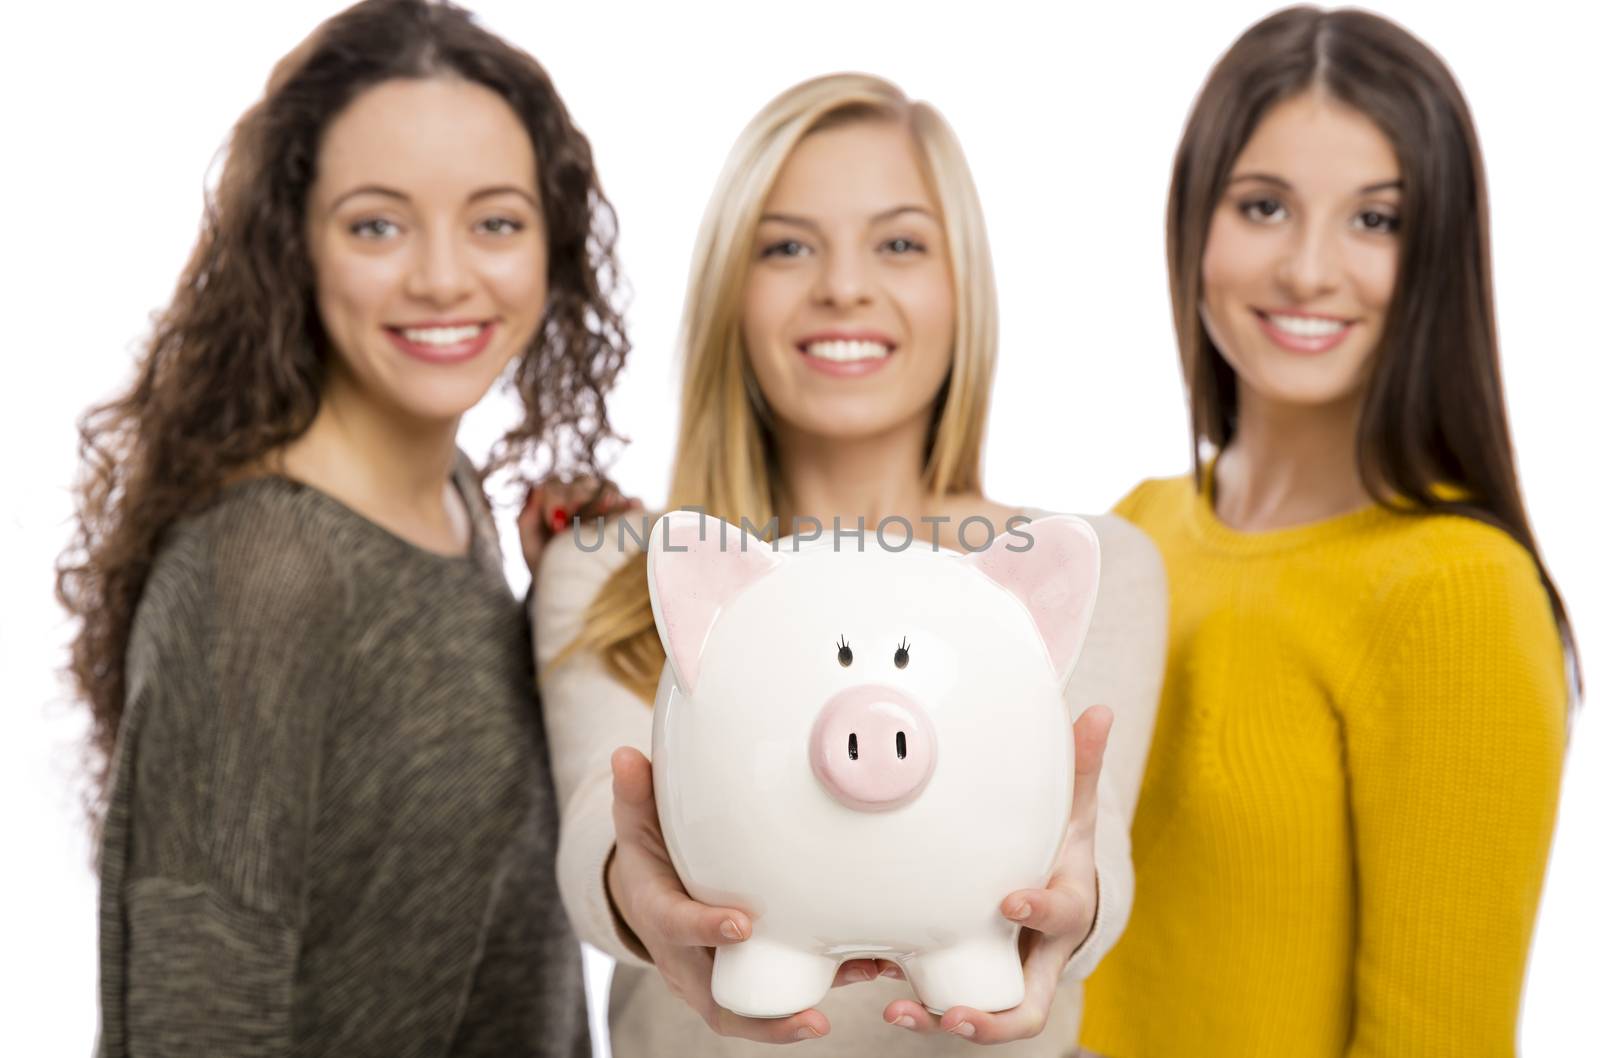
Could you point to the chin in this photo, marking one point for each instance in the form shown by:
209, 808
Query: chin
440, 403
1304, 382
1308, 392
847, 420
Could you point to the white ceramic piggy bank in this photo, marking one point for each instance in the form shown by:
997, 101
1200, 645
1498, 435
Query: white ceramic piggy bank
866, 749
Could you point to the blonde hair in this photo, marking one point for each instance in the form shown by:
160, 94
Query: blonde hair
724, 453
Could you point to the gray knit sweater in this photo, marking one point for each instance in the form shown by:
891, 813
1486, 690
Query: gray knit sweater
331, 827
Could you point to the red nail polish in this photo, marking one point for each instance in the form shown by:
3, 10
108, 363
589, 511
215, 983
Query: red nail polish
558, 519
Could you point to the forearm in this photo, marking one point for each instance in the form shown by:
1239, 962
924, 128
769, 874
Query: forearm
588, 838
202, 977
1114, 883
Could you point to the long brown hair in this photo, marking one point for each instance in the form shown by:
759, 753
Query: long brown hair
235, 365
1434, 413
724, 459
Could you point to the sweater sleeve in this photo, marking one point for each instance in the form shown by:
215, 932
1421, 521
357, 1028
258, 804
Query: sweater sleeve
1120, 667
588, 714
205, 849
1454, 757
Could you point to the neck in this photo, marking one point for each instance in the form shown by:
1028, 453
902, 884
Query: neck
870, 478
390, 467
1289, 465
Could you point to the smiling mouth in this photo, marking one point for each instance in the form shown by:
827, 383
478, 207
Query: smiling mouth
440, 337
1306, 326
442, 343
1304, 334
838, 351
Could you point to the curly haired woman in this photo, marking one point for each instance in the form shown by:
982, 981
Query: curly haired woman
327, 819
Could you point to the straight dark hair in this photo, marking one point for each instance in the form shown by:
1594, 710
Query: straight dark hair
1434, 412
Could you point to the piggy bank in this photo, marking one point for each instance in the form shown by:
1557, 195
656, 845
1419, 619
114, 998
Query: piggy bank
864, 744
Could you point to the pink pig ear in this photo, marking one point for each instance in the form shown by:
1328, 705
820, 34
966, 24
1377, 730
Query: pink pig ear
1052, 566
697, 565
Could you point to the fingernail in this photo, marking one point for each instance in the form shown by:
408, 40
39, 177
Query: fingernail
855, 977
905, 1021
964, 1028
1021, 911
731, 930
893, 972
558, 519
807, 1033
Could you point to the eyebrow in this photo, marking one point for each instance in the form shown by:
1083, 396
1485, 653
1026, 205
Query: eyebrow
389, 192
807, 222
1278, 181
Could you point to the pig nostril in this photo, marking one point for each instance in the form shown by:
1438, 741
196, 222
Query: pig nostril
861, 748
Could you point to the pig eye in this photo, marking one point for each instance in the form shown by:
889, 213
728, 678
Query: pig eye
902, 655
846, 656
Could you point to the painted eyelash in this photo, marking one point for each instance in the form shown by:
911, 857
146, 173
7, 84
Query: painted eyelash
902, 654
846, 655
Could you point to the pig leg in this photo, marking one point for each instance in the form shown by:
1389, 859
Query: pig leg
769, 979
984, 973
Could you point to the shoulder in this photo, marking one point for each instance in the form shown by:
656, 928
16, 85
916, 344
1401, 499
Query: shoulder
1452, 554
258, 562
1130, 562
1124, 543
1465, 625
959, 507
575, 566
1125, 550
1464, 594
587, 554
276, 554
1132, 573
246, 612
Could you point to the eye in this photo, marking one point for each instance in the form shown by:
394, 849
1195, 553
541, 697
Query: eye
902, 655
845, 654
902, 245
785, 248
375, 228
1376, 220
1265, 210
500, 226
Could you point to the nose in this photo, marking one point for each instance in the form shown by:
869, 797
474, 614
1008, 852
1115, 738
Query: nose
1311, 264
439, 275
873, 748
842, 281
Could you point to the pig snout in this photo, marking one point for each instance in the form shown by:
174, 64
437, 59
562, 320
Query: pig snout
873, 748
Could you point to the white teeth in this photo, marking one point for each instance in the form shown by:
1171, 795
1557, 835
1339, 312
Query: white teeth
442, 335
847, 352
1306, 326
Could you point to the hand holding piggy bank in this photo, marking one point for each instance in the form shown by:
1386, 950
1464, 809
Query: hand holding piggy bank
833, 716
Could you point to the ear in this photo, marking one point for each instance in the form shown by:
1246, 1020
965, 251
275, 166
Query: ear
1052, 566
696, 566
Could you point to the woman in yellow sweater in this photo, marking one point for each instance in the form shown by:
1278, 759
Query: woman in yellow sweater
1350, 792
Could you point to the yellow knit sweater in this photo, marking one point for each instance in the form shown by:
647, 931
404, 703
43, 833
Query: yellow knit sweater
1347, 809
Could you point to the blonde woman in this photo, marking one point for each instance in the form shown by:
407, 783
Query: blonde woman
839, 343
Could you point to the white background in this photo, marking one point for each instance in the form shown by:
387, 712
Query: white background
114, 112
